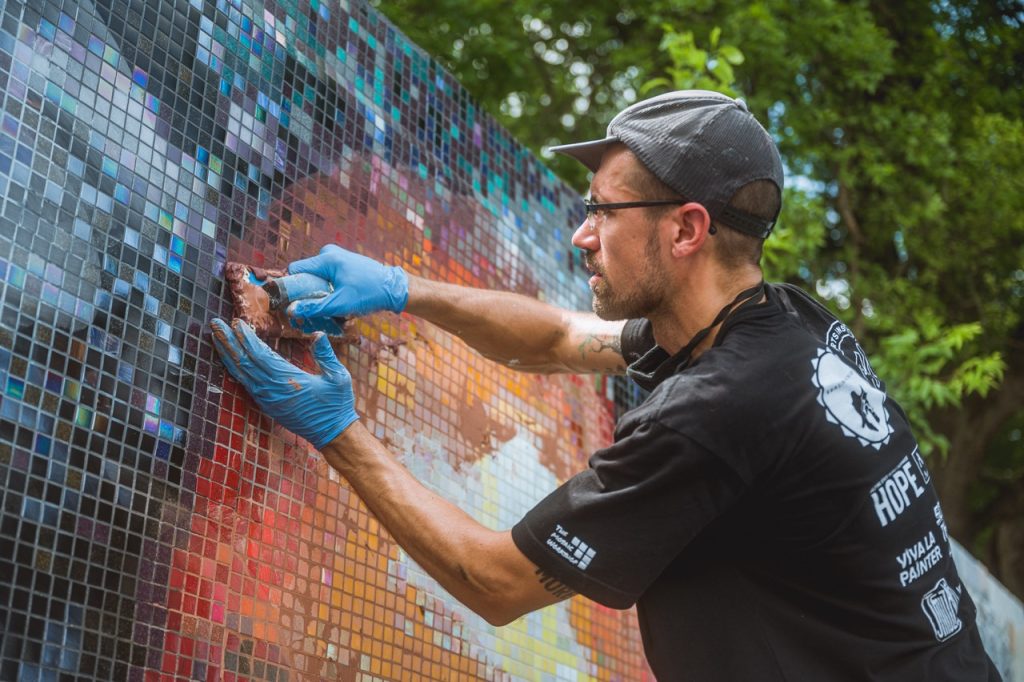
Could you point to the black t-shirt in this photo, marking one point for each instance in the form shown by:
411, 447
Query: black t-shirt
768, 511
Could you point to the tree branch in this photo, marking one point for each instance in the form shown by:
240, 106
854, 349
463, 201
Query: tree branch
846, 214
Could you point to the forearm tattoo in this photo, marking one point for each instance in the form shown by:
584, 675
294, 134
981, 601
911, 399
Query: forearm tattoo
598, 344
553, 586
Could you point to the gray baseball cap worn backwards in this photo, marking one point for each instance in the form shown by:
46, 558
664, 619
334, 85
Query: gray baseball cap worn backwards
702, 144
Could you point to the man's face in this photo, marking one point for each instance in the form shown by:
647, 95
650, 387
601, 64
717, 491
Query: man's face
621, 247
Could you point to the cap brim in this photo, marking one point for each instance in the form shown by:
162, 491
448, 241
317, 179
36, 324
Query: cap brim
587, 153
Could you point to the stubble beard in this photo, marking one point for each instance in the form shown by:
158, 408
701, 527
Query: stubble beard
645, 294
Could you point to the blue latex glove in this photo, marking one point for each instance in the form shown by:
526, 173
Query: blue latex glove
317, 407
361, 285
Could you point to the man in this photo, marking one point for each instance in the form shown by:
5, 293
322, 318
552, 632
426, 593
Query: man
766, 507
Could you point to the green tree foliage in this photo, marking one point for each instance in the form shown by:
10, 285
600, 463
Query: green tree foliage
693, 68
900, 125
550, 72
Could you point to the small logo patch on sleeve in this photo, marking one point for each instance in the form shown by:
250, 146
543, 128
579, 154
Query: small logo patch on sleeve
941, 604
571, 548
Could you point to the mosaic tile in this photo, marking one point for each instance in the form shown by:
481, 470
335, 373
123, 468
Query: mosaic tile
155, 526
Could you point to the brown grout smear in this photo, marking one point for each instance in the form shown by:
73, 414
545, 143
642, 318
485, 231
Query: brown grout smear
252, 304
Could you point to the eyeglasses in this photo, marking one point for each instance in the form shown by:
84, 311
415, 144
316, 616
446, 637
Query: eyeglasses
596, 210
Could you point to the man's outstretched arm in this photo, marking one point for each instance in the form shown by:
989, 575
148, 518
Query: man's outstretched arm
482, 568
515, 330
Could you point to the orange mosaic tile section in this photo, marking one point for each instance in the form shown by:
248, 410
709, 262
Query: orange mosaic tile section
281, 555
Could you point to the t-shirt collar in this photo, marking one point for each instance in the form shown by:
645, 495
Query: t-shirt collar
656, 365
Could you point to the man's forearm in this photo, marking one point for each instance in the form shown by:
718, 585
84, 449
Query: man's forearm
478, 566
518, 331
509, 328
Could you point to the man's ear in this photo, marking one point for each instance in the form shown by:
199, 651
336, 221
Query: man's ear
690, 224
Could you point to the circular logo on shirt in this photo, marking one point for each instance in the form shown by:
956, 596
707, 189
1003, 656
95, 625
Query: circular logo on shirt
840, 339
851, 401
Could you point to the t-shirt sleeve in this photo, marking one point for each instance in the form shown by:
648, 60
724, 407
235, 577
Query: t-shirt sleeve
611, 530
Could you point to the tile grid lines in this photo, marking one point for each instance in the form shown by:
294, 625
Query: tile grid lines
154, 526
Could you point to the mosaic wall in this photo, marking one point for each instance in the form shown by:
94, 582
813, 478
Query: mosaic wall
154, 525
1000, 615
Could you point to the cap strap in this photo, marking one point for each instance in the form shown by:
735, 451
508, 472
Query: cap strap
753, 225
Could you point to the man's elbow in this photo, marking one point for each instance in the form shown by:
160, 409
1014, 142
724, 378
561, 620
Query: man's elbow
501, 614
493, 598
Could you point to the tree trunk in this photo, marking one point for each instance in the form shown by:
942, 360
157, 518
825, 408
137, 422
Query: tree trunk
1008, 547
967, 445
970, 430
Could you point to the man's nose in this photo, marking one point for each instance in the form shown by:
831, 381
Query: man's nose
585, 238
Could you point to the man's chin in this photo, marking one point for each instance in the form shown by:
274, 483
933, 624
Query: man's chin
602, 310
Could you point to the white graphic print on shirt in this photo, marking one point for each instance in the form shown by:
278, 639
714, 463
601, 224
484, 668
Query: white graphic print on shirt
851, 401
940, 605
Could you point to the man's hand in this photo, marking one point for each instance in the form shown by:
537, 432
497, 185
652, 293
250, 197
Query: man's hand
361, 285
317, 407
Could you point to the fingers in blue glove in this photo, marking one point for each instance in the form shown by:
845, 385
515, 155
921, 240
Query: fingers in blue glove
317, 407
327, 359
255, 350
247, 358
361, 284
318, 265
303, 311
227, 346
309, 323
